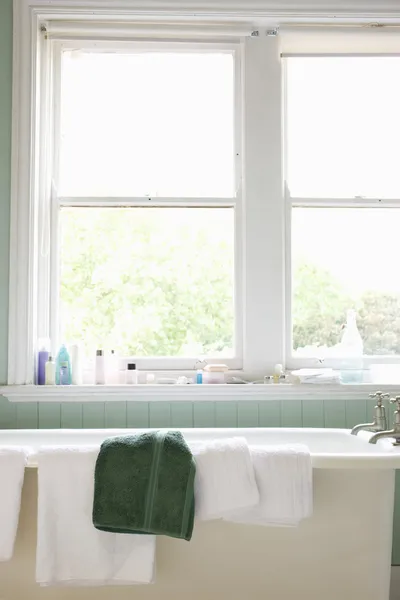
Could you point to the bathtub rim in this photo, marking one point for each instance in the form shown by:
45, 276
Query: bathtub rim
382, 456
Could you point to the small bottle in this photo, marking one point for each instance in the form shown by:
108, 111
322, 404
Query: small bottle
131, 374
112, 374
199, 376
42, 358
76, 364
50, 372
100, 368
63, 360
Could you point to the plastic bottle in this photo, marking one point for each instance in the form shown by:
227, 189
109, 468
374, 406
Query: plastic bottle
76, 364
112, 372
100, 368
50, 372
352, 350
63, 367
199, 376
42, 358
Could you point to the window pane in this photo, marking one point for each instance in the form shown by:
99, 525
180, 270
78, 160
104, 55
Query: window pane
343, 126
148, 281
346, 258
157, 124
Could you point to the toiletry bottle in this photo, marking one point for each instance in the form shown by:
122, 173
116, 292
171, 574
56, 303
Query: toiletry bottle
42, 358
199, 376
63, 360
76, 364
112, 373
131, 374
50, 372
100, 368
352, 350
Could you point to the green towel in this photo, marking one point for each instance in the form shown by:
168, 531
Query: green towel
144, 483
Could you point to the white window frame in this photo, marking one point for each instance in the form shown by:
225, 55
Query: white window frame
294, 360
57, 201
259, 216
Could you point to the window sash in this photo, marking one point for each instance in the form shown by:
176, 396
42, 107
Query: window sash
292, 358
57, 202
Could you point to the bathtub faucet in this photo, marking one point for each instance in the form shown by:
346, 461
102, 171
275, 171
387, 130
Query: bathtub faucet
379, 423
391, 433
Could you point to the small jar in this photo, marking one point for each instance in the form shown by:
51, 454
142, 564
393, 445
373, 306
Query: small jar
131, 374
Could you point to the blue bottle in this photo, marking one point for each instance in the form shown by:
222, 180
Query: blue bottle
63, 367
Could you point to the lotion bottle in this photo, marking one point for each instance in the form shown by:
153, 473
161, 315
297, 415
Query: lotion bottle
50, 372
100, 368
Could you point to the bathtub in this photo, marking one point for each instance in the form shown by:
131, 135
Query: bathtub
343, 551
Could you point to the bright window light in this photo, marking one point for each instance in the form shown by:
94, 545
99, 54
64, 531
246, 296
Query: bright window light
343, 127
346, 258
157, 124
148, 281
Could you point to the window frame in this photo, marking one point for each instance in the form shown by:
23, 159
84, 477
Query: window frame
294, 360
234, 202
259, 217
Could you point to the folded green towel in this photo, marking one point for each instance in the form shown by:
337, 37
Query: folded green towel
145, 484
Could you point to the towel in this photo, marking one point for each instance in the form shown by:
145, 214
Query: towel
12, 471
225, 479
70, 551
144, 483
284, 479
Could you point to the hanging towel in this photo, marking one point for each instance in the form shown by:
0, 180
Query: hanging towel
225, 480
144, 483
70, 551
12, 470
284, 479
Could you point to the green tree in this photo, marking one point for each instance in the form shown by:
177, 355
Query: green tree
144, 282
319, 306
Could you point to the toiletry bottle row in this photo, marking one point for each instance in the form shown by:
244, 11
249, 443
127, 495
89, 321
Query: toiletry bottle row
67, 368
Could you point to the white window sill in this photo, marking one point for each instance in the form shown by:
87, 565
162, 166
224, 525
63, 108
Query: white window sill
191, 393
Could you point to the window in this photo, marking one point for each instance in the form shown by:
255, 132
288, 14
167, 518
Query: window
146, 201
186, 187
343, 185
149, 281
139, 221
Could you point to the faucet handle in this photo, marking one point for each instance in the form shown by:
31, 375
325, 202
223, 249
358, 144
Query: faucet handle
394, 400
380, 396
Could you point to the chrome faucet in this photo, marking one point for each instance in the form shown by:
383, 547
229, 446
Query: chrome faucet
379, 423
391, 433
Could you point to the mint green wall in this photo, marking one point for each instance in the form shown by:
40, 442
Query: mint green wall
5, 161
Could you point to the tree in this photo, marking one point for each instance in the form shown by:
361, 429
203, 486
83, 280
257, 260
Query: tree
319, 306
119, 290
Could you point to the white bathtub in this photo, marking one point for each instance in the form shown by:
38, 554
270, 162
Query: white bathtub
343, 551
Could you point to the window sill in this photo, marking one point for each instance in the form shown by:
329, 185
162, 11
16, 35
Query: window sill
190, 393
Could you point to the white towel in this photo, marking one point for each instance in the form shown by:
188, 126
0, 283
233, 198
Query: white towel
225, 480
12, 471
284, 479
70, 551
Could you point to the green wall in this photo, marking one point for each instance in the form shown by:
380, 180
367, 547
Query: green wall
5, 162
